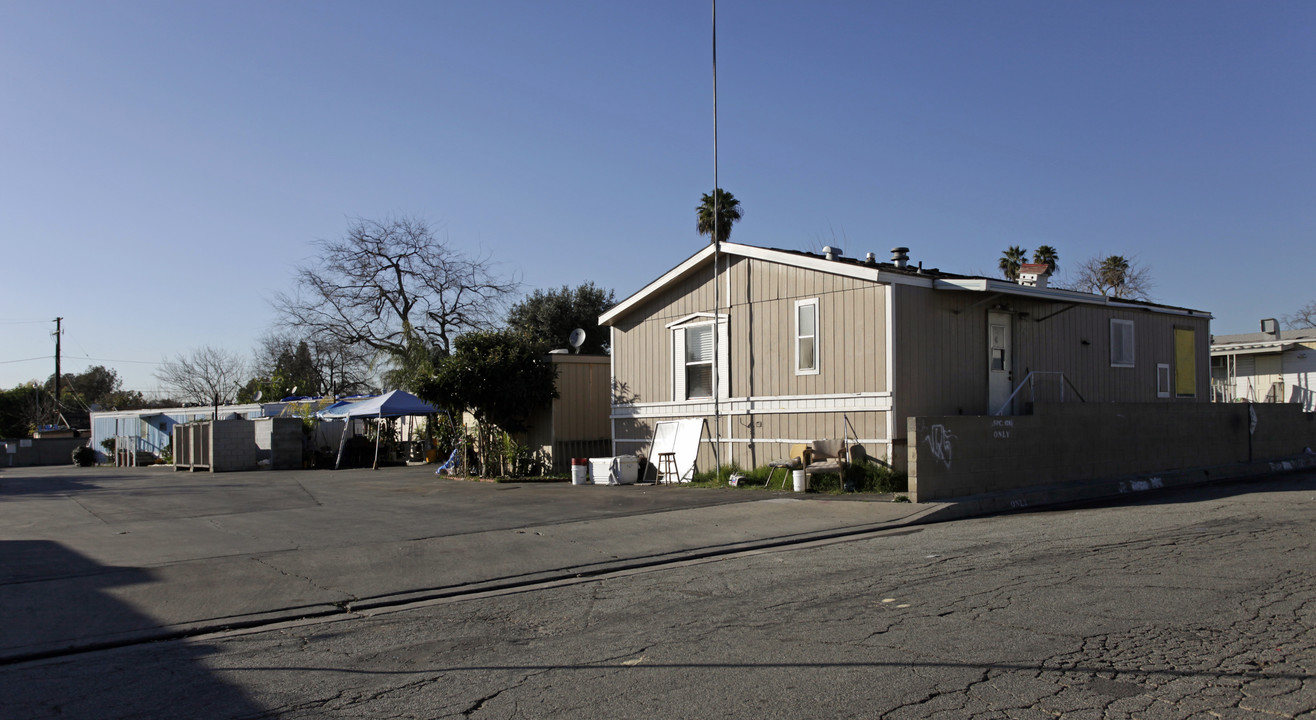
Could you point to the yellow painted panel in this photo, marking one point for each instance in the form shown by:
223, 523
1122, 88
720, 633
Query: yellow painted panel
1185, 362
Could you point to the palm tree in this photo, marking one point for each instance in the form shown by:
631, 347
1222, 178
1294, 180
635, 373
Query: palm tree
1011, 259
728, 212
1049, 255
1114, 273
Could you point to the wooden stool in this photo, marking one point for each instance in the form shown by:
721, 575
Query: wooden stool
666, 466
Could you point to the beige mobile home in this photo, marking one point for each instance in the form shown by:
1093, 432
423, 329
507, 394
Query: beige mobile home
806, 347
575, 423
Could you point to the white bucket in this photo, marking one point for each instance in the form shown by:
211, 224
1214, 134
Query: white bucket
579, 474
801, 480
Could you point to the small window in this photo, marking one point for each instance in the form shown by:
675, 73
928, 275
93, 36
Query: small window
806, 337
694, 349
998, 348
1121, 343
1162, 380
699, 362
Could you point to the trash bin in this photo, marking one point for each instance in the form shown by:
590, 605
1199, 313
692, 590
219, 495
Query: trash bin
801, 480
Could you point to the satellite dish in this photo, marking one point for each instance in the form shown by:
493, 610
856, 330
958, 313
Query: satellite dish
259, 394
577, 339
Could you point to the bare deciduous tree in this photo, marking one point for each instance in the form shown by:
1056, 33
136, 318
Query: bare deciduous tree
1115, 276
1304, 318
208, 375
392, 284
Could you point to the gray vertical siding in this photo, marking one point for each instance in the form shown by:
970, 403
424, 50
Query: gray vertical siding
939, 356
941, 341
852, 339
852, 331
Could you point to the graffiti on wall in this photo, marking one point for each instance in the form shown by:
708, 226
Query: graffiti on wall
938, 440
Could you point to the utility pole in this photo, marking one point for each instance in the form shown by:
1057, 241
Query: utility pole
717, 262
58, 332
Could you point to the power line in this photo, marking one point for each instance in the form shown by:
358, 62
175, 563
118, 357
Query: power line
10, 362
139, 362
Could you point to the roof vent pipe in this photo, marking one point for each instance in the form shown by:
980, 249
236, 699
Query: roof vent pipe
870, 259
900, 256
832, 253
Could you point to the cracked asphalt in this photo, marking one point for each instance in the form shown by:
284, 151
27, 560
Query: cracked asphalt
1190, 604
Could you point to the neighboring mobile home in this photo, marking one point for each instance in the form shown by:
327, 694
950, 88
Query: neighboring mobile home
575, 423
1272, 366
812, 347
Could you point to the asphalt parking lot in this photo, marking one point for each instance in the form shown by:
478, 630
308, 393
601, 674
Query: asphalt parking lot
99, 557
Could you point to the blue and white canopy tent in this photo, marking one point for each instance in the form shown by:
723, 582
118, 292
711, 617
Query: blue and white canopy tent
396, 403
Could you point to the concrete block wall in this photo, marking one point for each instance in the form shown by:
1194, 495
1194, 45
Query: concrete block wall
955, 456
25, 452
232, 445
1280, 428
279, 440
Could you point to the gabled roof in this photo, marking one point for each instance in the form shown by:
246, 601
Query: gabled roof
879, 272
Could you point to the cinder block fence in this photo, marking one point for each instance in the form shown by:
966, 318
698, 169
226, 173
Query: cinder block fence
956, 456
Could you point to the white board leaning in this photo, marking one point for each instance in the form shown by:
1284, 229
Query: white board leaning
680, 437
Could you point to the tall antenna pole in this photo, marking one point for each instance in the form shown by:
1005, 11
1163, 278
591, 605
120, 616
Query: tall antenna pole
717, 261
58, 332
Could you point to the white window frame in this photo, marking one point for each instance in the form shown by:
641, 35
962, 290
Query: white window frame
817, 346
1164, 380
1124, 328
687, 363
679, 364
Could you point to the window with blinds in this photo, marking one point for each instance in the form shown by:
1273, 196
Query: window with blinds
699, 362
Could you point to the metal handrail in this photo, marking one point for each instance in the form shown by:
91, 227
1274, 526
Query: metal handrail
1031, 383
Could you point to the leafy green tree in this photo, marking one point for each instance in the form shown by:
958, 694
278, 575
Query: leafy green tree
724, 207
95, 387
412, 367
1011, 260
547, 318
313, 365
500, 377
82, 390
20, 410
1049, 255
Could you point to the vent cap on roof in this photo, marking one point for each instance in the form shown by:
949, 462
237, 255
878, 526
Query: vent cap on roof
832, 252
900, 256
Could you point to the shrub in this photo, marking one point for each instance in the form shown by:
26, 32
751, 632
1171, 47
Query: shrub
84, 456
868, 477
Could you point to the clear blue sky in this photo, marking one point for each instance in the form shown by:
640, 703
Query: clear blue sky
165, 165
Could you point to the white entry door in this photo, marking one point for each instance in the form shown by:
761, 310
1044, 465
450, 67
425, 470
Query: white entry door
1000, 363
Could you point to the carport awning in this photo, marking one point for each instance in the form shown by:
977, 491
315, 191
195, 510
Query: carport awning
397, 403
1252, 348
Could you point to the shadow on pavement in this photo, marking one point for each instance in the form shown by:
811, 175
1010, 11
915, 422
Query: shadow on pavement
90, 617
13, 484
